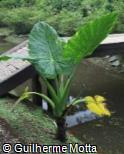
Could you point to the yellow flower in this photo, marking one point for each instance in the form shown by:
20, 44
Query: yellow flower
91, 105
100, 103
94, 108
103, 108
96, 105
99, 98
89, 99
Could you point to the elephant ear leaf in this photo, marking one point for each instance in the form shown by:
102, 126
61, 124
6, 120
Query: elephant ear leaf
46, 48
88, 37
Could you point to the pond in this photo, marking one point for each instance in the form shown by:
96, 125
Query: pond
106, 133
11, 41
4, 46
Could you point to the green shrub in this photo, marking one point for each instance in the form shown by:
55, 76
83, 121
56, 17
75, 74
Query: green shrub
119, 7
10, 3
59, 5
66, 22
16, 3
3, 16
64, 15
21, 19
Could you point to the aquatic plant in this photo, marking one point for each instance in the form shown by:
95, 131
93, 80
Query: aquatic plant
55, 59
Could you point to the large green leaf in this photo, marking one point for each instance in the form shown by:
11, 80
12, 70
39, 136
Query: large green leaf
46, 48
89, 36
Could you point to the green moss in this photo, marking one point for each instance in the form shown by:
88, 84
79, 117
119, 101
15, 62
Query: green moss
31, 125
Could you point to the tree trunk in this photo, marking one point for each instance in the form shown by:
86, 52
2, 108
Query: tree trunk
61, 129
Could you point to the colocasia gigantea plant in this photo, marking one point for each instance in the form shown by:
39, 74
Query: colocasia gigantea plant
55, 59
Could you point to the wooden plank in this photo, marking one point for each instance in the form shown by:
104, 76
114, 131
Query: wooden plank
15, 72
113, 44
11, 68
114, 38
16, 79
110, 39
109, 49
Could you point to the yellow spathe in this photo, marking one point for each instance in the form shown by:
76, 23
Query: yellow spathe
97, 105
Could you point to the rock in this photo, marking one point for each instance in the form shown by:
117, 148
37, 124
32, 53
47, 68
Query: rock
113, 58
108, 56
116, 63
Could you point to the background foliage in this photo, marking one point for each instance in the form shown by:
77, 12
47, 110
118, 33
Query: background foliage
65, 15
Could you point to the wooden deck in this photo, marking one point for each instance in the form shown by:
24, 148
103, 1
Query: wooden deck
113, 44
15, 72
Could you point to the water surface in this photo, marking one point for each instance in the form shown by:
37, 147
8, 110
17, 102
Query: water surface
106, 133
4, 46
